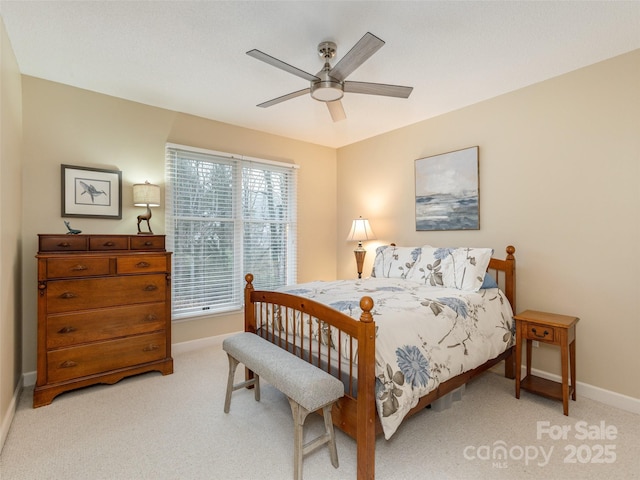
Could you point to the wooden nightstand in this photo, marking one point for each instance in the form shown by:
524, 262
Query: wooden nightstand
554, 329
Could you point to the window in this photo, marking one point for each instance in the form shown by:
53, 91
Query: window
225, 217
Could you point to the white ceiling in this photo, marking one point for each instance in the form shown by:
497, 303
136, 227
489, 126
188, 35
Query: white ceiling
189, 56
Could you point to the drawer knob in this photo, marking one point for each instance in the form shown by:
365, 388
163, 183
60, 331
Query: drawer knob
544, 334
79, 268
68, 329
64, 244
151, 348
108, 244
143, 264
148, 243
150, 288
68, 364
68, 295
151, 318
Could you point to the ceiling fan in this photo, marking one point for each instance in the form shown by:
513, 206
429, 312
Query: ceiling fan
329, 84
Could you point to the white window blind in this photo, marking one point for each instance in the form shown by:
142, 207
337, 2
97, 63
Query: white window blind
226, 217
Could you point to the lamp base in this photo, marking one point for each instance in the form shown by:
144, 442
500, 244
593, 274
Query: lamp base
360, 254
146, 216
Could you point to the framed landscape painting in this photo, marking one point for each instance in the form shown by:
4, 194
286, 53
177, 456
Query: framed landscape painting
447, 191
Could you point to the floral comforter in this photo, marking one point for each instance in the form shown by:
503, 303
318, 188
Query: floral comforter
425, 335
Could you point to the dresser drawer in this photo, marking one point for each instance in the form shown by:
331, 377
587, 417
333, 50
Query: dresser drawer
107, 243
147, 242
81, 266
93, 293
542, 333
74, 362
76, 328
62, 243
142, 264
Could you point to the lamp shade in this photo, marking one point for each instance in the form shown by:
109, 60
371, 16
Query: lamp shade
360, 231
146, 194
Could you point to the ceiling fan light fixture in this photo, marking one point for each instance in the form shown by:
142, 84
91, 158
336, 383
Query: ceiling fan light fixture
330, 83
327, 91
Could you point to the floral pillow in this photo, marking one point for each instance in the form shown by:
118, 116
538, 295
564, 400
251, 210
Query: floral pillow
394, 262
469, 267
462, 268
432, 267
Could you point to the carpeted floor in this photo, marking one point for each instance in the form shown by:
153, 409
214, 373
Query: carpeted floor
173, 427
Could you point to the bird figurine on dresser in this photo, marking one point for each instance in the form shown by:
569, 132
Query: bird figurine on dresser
72, 231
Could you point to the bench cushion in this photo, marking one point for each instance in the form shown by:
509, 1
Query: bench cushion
304, 383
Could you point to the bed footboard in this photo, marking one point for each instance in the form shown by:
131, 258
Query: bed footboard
331, 341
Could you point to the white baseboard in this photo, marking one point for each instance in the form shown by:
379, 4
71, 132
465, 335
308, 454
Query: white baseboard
191, 345
29, 379
8, 417
618, 400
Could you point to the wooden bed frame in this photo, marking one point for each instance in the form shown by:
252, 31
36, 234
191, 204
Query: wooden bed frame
355, 413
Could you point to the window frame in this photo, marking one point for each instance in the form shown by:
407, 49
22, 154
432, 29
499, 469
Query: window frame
287, 236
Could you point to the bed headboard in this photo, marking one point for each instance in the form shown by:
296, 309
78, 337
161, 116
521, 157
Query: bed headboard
504, 271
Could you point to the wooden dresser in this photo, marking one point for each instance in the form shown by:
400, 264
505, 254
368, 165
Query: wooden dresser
104, 310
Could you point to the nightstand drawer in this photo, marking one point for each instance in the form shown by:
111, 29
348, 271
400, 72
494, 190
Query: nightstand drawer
542, 333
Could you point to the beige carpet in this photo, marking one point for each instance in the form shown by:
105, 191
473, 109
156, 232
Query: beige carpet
173, 427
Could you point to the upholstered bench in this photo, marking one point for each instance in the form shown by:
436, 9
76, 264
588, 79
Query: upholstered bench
307, 387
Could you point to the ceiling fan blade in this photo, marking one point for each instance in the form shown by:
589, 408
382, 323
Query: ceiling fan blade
361, 51
274, 62
283, 98
336, 110
378, 89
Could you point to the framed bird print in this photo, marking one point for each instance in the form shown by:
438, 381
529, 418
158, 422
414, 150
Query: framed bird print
91, 192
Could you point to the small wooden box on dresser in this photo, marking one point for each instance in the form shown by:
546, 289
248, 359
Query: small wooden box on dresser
104, 310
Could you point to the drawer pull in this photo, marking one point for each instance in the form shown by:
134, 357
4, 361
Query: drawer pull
108, 244
68, 364
67, 330
150, 288
151, 348
544, 334
148, 243
143, 264
79, 268
151, 318
64, 245
68, 295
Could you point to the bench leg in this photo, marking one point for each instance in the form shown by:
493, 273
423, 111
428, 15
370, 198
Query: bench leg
299, 448
255, 381
328, 425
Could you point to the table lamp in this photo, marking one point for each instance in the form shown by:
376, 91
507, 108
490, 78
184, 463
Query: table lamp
360, 231
146, 195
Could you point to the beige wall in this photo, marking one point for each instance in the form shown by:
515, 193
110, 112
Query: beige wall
10, 224
66, 125
559, 179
